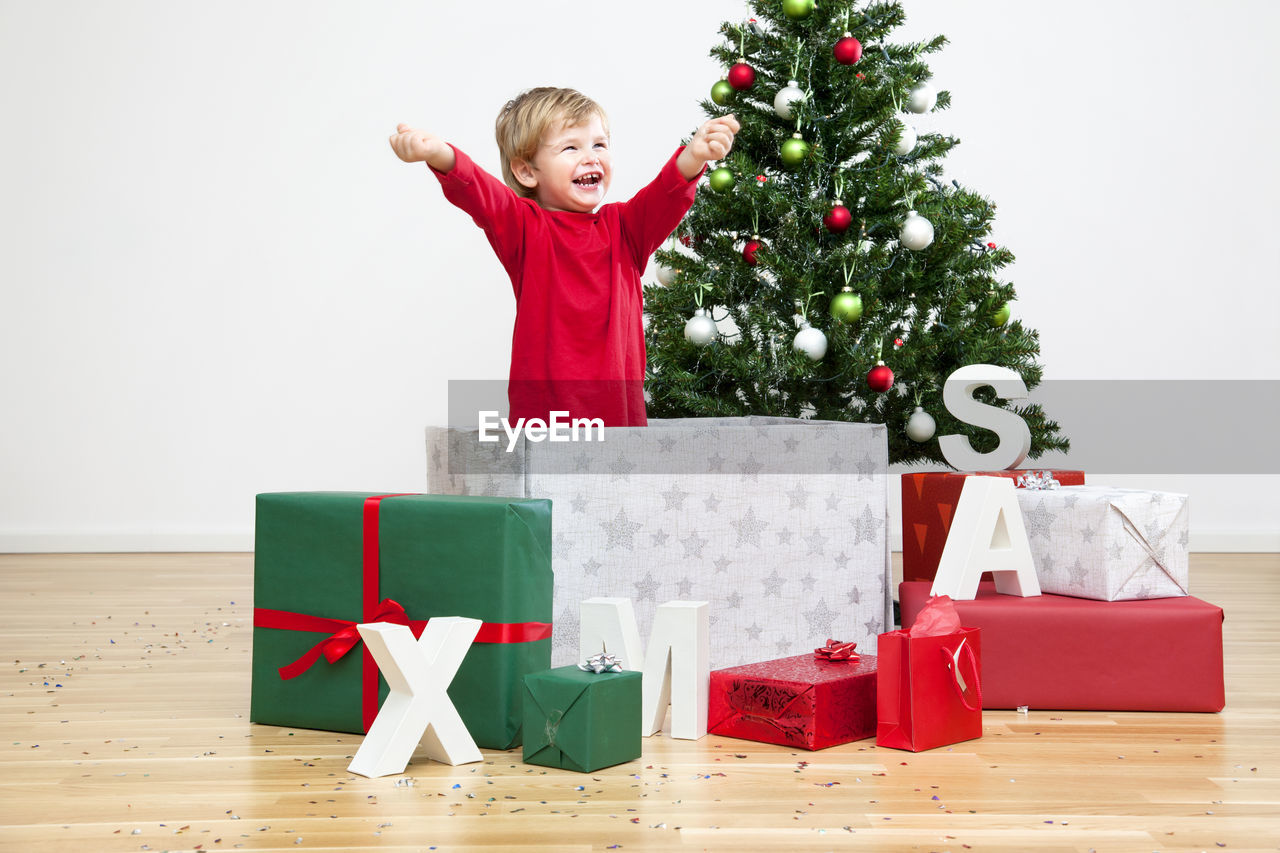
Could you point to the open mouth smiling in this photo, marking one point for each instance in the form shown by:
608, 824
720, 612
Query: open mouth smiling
590, 181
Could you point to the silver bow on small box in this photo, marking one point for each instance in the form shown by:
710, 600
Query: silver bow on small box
1037, 480
603, 662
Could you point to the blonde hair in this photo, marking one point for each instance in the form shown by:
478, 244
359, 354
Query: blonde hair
525, 118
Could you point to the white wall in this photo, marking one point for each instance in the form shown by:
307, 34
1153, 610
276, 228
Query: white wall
216, 279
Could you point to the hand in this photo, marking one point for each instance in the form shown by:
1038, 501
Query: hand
714, 140
413, 146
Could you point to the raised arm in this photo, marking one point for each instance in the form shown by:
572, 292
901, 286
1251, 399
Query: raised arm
712, 141
414, 146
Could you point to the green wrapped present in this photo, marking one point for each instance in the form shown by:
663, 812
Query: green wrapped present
325, 561
579, 720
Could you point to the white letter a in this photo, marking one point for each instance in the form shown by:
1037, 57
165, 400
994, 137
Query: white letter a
987, 535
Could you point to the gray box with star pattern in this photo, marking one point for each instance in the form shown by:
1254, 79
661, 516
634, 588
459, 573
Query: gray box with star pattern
1107, 544
780, 523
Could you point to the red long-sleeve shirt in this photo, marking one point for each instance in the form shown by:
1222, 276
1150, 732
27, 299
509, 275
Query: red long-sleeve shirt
578, 344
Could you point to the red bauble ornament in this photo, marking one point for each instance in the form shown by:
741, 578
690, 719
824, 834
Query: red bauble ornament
838, 219
742, 76
880, 378
749, 251
848, 50
686, 240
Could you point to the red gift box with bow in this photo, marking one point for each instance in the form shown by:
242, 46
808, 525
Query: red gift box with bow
808, 701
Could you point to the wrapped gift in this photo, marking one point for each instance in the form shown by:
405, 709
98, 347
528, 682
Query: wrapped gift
1062, 653
1108, 544
928, 502
806, 701
325, 561
581, 720
779, 523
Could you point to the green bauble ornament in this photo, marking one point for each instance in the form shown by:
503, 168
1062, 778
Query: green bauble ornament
1001, 316
722, 92
797, 10
846, 306
722, 179
794, 151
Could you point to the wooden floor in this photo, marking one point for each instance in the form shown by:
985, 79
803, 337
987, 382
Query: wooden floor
124, 714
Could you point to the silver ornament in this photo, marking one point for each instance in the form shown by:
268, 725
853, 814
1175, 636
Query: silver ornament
810, 341
907, 141
701, 329
917, 232
921, 426
922, 98
665, 274
786, 97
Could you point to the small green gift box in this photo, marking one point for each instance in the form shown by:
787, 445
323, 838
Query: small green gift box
326, 561
580, 720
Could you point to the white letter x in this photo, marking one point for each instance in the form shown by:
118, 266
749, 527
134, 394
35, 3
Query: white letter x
417, 707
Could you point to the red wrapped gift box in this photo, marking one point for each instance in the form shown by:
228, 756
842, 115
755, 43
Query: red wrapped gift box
1062, 653
928, 502
797, 701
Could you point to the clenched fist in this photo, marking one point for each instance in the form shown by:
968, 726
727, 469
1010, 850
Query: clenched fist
413, 146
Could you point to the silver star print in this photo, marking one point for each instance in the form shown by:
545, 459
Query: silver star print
1184, 538
715, 462
784, 536
592, 566
753, 631
1116, 550
1046, 564
1079, 574
1070, 501
791, 443
820, 619
799, 496
809, 581
854, 595
749, 527
867, 467
666, 444
734, 600
659, 539
579, 503
582, 462
674, 497
817, 542
842, 560
712, 503
1038, 521
782, 647
773, 584
722, 564
621, 467
1087, 533
833, 502
873, 627
867, 527
621, 532
750, 467
836, 462
684, 587
646, 588
693, 544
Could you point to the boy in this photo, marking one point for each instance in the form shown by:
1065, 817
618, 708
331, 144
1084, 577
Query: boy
575, 266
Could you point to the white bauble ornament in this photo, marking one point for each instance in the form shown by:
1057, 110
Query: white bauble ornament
665, 274
810, 341
921, 426
701, 329
917, 232
907, 141
786, 97
922, 98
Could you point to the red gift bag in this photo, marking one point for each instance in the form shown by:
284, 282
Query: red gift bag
927, 689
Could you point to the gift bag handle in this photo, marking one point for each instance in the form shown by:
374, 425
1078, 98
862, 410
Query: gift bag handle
952, 662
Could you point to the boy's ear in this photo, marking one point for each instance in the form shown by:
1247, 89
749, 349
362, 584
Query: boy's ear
524, 173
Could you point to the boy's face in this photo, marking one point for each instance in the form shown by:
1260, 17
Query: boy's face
572, 167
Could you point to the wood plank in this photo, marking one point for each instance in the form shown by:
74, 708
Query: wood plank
127, 695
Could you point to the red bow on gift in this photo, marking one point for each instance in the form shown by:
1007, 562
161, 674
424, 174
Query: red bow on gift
344, 636
835, 650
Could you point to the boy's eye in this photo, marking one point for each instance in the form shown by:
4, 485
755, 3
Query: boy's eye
601, 145
570, 148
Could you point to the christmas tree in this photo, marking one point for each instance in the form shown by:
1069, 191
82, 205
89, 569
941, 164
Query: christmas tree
829, 269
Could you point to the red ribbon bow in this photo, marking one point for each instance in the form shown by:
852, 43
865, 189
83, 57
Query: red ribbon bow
835, 650
343, 637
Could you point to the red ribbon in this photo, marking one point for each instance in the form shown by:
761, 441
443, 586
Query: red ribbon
343, 636
835, 650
